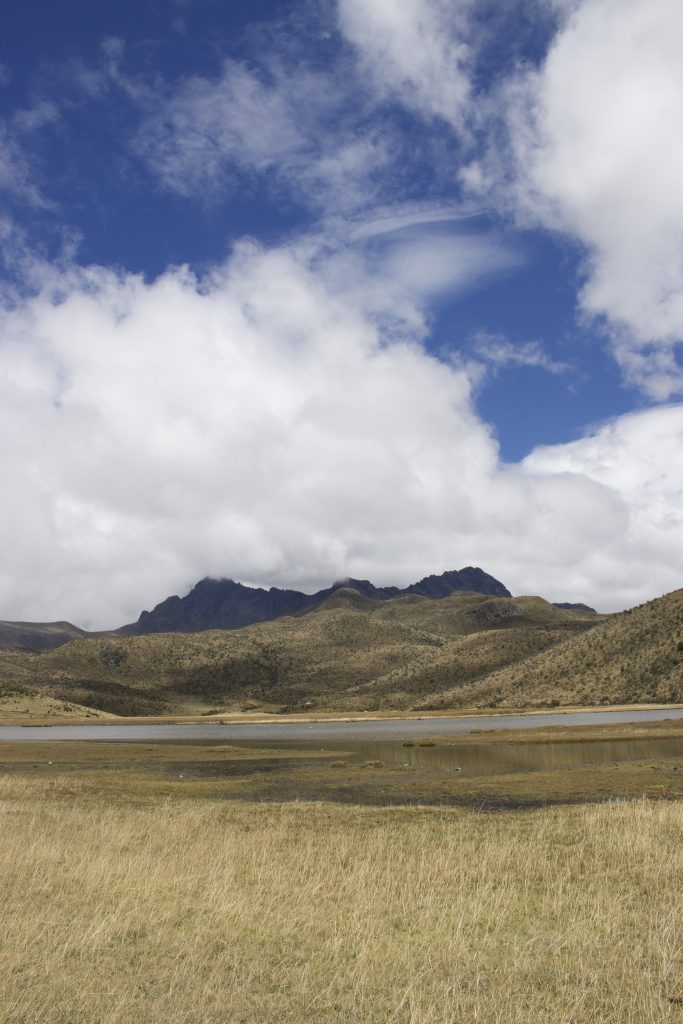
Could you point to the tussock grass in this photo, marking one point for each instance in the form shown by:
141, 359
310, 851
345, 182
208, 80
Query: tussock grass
24, 704
633, 657
201, 911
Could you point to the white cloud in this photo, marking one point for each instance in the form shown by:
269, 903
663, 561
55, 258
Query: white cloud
277, 423
18, 178
389, 219
280, 420
281, 124
16, 172
587, 145
208, 128
495, 351
416, 50
598, 154
638, 457
425, 260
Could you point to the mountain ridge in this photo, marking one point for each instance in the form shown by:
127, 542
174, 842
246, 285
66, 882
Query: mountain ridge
349, 652
215, 603
227, 604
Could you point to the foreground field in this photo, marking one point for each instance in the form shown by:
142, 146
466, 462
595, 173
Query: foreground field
123, 910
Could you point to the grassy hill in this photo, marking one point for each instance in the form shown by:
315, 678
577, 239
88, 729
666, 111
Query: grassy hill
349, 652
354, 652
633, 657
37, 636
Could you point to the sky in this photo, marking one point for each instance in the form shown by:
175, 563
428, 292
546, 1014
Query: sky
296, 291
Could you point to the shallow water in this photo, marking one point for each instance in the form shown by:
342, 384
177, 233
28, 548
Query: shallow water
325, 733
500, 757
466, 760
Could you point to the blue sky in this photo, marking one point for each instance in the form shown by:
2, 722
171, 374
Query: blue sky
301, 290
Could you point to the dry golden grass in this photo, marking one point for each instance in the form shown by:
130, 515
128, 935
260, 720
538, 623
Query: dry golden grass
28, 705
198, 911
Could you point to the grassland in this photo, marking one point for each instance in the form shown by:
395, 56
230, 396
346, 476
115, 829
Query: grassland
198, 883
121, 907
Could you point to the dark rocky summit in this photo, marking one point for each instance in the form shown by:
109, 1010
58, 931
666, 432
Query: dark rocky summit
224, 604
219, 604
567, 606
469, 578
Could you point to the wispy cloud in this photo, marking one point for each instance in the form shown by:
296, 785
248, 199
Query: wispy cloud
18, 175
495, 352
386, 220
285, 126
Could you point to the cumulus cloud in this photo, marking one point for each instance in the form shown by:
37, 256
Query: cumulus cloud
597, 154
274, 423
416, 50
637, 457
586, 144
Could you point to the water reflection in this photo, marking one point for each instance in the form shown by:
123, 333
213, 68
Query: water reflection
495, 758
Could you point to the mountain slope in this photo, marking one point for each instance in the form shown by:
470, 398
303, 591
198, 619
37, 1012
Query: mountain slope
633, 657
351, 651
38, 636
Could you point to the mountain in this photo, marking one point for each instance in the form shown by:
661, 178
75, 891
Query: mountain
225, 604
218, 604
468, 579
38, 636
633, 657
351, 651
568, 606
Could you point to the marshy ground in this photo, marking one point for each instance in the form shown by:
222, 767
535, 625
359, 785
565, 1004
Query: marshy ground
204, 882
497, 769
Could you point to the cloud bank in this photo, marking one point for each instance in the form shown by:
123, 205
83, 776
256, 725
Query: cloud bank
277, 423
